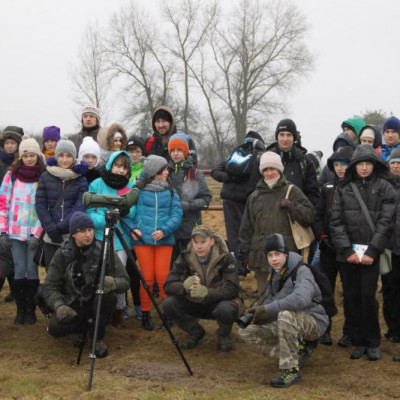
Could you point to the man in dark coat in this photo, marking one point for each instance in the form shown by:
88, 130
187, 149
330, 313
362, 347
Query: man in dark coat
298, 169
350, 230
203, 283
72, 279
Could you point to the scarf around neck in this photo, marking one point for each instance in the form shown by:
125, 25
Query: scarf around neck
27, 173
156, 186
7, 158
115, 181
65, 174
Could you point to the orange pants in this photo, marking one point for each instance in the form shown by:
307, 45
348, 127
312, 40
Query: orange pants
154, 263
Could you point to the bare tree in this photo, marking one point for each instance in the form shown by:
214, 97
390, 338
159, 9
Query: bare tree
259, 55
191, 21
89, 78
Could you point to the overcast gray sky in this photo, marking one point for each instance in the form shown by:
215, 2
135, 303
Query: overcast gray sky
356, 43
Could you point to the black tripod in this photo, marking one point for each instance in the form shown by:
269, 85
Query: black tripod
107, 249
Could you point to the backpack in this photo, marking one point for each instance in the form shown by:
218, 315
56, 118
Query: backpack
328, 300
239, 163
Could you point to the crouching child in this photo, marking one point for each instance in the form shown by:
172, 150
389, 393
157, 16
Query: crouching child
71, 282
203, 283
289, 314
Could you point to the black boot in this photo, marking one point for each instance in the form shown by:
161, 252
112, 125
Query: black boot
10, 297
20, 300
194, 330
224, 337
30, 293
147, 323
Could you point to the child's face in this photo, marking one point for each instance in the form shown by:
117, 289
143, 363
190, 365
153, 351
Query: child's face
119, 169
340, 169
10, 146
29, 159
395, 167
202, 245
116, 144
367, 140
90, 160
276, 259
136, 153
50, 144
177, 155
364, 169
163, 175
65, 160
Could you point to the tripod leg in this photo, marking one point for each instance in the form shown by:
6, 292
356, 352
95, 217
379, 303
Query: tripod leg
146, 287
81, 347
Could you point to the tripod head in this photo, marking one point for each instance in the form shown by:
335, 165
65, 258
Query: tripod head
112, 217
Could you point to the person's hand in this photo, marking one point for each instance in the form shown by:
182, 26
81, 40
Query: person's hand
353, 259
136, 234
65, 313
367, 260
198, 291
260, 315
326, 245
54, 235
33, 243
5, 242
109, 284
285, 203
189, 282
157, 235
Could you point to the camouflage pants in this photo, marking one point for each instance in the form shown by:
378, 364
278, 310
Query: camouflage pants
281, 337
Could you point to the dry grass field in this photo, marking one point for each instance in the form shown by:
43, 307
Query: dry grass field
145, 365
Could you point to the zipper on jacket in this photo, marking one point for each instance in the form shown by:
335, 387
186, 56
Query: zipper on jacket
62, 204
155, 219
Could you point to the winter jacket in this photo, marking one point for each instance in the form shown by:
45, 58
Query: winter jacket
356, 124
18, 216
324, 209
56, 222
77, 138
194, 195
299, 170
98, 213
136, 170
239, 188
395, 244
61, 285
387, 150
263, 217
158, 144
105, 140
301, 295
348, 224
220, 275
157, 210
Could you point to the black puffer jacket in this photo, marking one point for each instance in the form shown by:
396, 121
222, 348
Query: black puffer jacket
239, 188
395, 245
348, 224
194, 194
299, 170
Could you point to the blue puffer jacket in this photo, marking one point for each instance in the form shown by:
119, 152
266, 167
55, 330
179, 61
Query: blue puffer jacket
49, 190
157, 210
97, 214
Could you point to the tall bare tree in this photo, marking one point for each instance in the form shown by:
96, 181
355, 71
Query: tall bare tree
259, 54
89, 78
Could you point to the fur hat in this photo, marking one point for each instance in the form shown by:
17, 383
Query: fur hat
269, 159
13, 133
79, 221
91, 109
89, 146
392, 123
286, 125
202, 231
66, 146
179, 141
51, 133
135, 141
153, 164
275, 242
29, 145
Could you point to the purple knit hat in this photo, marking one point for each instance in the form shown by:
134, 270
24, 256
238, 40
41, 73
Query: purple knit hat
51, 133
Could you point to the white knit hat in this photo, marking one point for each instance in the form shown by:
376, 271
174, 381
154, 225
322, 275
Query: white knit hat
269, 159
29, 145
89, 146
368, 132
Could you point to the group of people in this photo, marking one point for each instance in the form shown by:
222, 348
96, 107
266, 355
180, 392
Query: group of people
196, 272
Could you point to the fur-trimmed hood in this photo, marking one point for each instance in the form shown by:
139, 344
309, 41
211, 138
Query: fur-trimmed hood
105, 136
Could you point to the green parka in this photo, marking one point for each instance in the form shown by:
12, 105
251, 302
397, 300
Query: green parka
263, 216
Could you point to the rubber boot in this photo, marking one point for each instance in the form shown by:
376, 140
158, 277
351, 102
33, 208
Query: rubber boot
20, 300
147, 322
224, 337
194, 330
30, 293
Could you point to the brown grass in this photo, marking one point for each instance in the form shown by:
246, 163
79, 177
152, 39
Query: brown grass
145, 365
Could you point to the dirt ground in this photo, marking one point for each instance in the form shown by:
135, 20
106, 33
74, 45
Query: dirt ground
145, 365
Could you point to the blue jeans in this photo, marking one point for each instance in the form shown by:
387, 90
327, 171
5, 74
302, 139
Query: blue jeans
23, 260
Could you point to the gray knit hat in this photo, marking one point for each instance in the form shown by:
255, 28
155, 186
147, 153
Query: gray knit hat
153, 164
66, 146
395, 156
269, 159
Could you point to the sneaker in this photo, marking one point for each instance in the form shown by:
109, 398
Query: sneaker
326, 339
101, 349
138, 312
126, 312
305, 351
286, 378
345, 341
373, 353
358, 352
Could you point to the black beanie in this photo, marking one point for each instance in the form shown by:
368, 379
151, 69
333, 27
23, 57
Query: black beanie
275, 242
286, 125
79, 221
343, 154
162, 114
254, 135
135, 141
